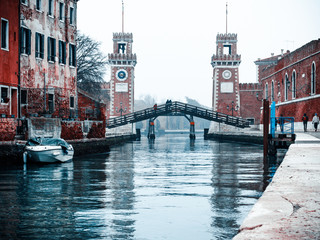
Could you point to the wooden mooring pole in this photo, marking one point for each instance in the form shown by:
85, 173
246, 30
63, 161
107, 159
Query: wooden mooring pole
266, 116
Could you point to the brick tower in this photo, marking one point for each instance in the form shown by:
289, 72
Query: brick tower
122, 62
225, 63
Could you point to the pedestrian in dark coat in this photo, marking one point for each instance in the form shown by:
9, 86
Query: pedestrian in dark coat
305, 120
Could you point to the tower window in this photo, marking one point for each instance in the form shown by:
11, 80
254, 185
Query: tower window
227, 49
121, 48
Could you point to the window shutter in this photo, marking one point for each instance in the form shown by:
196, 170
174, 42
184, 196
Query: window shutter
29, 41
75, 55
60, 51
41, 46
69, 54
54, 49
65, 53
37, 45
48, 48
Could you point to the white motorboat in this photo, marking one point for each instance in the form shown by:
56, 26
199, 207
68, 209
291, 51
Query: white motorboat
47, 150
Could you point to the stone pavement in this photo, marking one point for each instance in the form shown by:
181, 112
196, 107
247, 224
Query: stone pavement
290, 206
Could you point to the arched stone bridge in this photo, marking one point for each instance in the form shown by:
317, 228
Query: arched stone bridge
176, 108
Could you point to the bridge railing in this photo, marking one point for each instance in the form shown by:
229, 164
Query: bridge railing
176, 107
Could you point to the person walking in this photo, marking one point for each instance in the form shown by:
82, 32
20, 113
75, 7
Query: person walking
315, 121
305, 120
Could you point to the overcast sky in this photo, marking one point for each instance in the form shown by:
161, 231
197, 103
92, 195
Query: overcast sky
175, 39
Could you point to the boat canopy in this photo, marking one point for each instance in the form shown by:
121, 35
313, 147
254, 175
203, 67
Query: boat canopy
47, 141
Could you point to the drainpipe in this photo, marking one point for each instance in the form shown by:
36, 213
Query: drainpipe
45, 93
19, 70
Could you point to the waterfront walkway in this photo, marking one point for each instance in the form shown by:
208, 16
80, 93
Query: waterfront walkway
290, 206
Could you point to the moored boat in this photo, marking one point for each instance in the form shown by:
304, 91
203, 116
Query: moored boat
48, 150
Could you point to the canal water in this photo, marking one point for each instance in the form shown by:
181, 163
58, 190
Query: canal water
171, 188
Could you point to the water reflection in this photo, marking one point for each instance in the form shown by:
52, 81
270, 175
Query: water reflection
170, 188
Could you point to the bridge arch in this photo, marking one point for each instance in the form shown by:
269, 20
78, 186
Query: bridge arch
177, 108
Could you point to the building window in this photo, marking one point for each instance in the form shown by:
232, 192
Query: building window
267, 92
71, 15
50, 8
24, 2
313, 78
51, 49
293, 84
122, 48
4, 95
24, 97
71, 101
38, 5
25, 42
61, 7
72, 55
62, 52
51, 103
39, 45
286, 88
4, 34
272, 91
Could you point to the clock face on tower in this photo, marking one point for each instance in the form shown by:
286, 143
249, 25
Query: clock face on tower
121, 75
226, 74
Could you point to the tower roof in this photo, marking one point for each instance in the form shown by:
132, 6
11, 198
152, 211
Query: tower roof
127, 37
227, 37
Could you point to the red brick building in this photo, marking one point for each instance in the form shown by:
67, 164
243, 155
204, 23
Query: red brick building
250, 93
9, 55
292, 81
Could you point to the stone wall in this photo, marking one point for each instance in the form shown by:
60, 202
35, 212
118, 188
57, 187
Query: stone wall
71, 130
7, 129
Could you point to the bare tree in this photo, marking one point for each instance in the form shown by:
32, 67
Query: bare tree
91, 64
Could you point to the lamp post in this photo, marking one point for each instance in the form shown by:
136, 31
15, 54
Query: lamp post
233, 108
121, 110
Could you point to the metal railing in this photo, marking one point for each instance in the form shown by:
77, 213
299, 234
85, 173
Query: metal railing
177, 108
